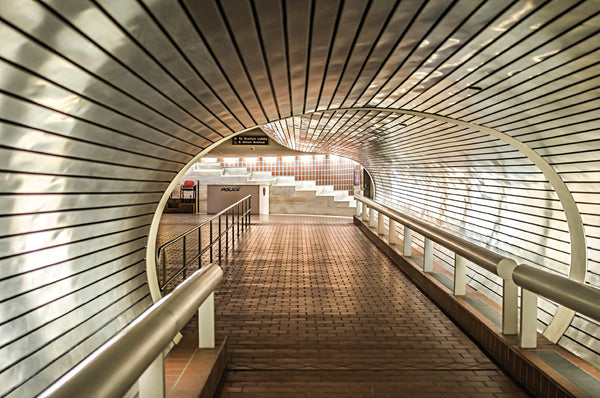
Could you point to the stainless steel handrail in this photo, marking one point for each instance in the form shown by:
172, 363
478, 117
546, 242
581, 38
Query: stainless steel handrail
113, 369
243, 218
472, 252
577, 296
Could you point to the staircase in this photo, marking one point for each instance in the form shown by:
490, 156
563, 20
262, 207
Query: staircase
287, 196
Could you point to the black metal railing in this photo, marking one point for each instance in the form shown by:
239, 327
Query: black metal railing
186, 252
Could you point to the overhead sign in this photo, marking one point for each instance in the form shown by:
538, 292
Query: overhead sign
250, 140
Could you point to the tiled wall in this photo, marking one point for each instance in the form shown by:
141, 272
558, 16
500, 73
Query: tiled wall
324, 169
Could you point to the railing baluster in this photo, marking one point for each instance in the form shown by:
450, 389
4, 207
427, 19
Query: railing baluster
206, 323
529, 309
359, 207
164, 266
211, 241
199, 247
220, 250
407, 247
226, 234
151, 383
428, 256
510, 306
365, 212
393, 236
184, 258
460, 275
380, 224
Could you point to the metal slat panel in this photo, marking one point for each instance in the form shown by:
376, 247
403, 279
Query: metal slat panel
40, 142
81, 305
39, 118
24, 204
248, 42
138, 53
214, 29
55, 256
50, 31
54, 366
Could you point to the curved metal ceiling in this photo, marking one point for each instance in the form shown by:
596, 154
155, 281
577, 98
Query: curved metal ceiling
103, 102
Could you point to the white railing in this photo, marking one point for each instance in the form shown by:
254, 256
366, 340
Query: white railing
577, 296
135, 355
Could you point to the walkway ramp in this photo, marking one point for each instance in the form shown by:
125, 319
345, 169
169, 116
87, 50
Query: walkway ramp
312, 309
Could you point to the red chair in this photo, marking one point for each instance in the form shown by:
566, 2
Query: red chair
190, 186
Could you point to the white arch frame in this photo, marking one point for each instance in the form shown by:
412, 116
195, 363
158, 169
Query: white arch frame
578, 267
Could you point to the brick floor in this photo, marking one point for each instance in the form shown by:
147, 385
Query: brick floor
313, 309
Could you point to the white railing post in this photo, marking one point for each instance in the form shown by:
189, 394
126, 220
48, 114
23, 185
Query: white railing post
365, 212
460, 275
407, 249
359, 206
206, 323
393, 237
428, 256
371, 217
529, 307
510, 307
151, 383
380, 224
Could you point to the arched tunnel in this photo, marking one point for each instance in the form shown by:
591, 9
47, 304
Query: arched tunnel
481, 117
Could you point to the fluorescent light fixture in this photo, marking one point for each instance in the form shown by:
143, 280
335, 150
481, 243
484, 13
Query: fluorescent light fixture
334, 158
319, 158
306, 159
208, 160
288, 159
251, 160
270, 159
230, 160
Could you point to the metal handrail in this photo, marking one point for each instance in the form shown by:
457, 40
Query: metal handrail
243, 218
113, 369
478, 255
579, 297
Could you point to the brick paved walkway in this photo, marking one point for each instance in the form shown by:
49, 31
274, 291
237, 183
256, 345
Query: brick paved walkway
312, 309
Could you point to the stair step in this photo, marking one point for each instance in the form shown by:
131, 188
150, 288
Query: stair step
285, 181
261, 176
235, 172
210, 172
325, 190
306, 186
